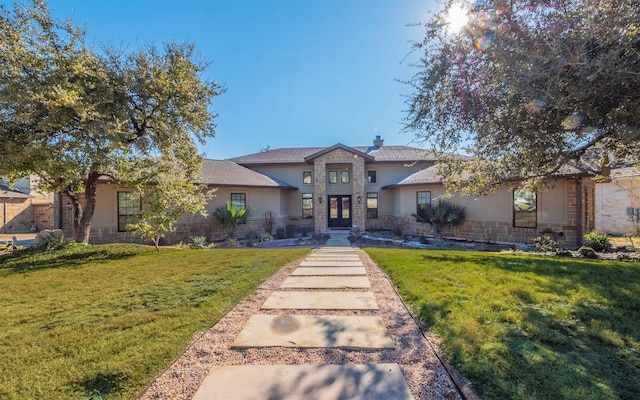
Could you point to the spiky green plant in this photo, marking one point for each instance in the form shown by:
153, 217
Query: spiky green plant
231, 216
441, 215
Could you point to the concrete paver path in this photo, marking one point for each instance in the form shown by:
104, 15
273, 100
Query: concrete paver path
357, 332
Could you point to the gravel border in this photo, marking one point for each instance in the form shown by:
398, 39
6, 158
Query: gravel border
425, 374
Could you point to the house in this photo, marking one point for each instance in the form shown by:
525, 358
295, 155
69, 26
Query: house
363, 187
24, 209
618, 202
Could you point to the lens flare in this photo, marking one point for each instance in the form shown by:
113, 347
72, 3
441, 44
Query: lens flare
573, 122
484, 41
535, 106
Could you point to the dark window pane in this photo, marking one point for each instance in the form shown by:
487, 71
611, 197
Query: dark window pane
306, 178
525, 214
371, 176
423, 199
307, 205
372, 205
129, 209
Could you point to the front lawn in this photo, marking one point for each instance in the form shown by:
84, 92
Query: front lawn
527, 327
102, 321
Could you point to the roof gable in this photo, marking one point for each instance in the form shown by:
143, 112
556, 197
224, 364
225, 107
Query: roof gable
337, 146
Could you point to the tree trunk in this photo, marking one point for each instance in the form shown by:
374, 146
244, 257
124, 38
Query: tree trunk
77, 209
84, 227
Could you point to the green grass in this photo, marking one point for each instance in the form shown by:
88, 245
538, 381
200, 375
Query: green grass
104, 320
527, 327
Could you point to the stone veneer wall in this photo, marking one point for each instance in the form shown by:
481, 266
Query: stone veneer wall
209, 228
569, 235
613, 198
24, 216
339, 156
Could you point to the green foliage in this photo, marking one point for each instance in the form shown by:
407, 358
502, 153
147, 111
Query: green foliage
441, 215
51, 240
281, 233
103, 320
504, 89
291, 230
527, 327
587, 252
72, 115
198, 242
171, 197
597, 241
266, 237
546, 243
231, 216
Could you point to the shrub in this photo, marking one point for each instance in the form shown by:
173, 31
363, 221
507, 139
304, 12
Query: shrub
546, 243
597, 241
587, 252
268, 220
291, 230
198, 242
231, 216
441, 215
51, 240
563, 253
280, 233
266, 237
232, 242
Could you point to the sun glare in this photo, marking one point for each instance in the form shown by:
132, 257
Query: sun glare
457, 18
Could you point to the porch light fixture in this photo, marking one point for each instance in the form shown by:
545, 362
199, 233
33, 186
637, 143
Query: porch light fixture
359, 199
320, 199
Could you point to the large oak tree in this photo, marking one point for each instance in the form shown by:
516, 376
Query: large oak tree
73, 115
527, 87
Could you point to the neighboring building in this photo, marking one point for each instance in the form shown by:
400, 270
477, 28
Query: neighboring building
24, 209
618, 202
364, 187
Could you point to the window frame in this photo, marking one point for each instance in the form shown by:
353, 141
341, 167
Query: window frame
346, 174
531, 211
131, 217
418, 203
243, 206
333, 177
307, 199
304, 175
372, 210
372, 176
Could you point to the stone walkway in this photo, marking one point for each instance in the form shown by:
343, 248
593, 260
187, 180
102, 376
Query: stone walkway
323, 272
319, 328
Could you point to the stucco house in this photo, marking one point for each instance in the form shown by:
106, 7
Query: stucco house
364, 187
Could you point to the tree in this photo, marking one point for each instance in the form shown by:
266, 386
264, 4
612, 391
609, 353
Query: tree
75, 116
526, 88
169, 198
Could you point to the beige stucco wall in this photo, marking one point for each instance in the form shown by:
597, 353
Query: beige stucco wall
490, 218
612, 200
104, 227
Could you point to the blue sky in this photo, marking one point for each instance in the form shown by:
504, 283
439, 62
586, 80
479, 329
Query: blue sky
297, 72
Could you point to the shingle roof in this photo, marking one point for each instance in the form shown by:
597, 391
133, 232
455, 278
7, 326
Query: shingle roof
6, 193
431, 175
300, 155
228, 173
423, 177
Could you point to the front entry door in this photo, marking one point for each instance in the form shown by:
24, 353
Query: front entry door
339, 211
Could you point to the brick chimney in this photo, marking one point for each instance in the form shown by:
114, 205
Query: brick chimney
378, 142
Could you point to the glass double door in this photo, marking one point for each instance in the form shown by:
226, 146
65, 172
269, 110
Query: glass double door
340, 211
